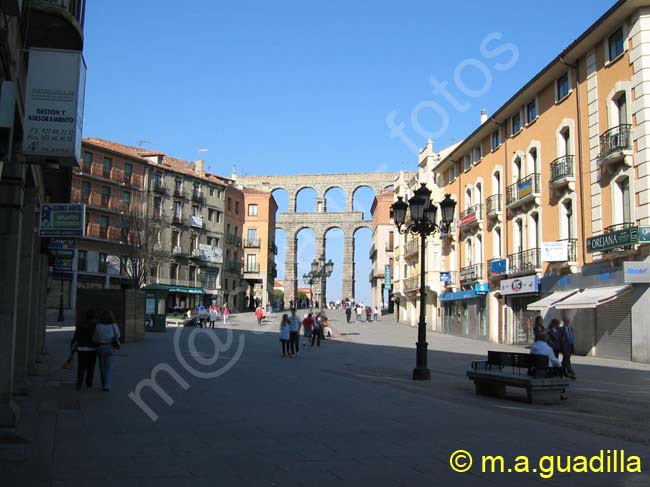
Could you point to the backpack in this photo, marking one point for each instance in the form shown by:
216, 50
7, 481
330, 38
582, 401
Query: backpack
568, 332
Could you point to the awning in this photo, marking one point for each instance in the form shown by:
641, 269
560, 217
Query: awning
592, 297
551, 300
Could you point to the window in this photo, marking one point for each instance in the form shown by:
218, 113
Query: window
533, 159
562, 86
227, 228
219, 216
452, 171
531, 111
158, 179
196, 188
128, 172
211, 191
87, 162
624, 188
236, 207
229, 203
106, 195
126, 198
615, 44
515, 123
178, 209
467, 162
194, 242
517, 175
251, 263
178, 186
496, 139
157, 206
252, 210
192, 273
196, 211
173, 271
496, 247
85, 192
82, 260
211, 214
621, 108
108, 163
103, 226
176, 239
251, 235
216, 242
568, 215
477, 154
102, 262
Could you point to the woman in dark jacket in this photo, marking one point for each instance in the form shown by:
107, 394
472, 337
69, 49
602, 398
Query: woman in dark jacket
82, 342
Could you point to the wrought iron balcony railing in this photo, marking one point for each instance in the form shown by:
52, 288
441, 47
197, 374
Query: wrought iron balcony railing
494, 204
528, 186
525, 261
561, 168
616, 139
471, 273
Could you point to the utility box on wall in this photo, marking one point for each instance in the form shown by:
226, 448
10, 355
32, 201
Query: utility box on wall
127, 305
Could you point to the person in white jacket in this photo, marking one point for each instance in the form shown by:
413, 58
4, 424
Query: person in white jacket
107, 337
285, 326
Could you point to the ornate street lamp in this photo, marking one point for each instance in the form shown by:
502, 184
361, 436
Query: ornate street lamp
320, 271
423, 223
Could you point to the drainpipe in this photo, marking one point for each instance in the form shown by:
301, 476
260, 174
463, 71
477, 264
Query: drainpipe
583, 243
504, 181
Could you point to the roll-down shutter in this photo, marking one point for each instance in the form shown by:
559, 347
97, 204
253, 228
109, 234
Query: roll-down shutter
614, 328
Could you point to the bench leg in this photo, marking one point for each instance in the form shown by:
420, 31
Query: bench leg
544, 396
489, 389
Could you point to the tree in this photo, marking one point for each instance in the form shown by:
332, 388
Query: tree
140, 239
278, 294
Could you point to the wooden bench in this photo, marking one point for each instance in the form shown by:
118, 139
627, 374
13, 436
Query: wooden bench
543, 384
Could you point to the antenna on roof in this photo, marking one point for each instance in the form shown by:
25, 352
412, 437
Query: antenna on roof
141, 142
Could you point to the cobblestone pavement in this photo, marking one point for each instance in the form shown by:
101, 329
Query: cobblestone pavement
345, 413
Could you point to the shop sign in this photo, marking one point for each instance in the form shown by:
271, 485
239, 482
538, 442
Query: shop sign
63, 260
467, 219
644, 234
520, 285
445, 276
54, 105
458, 295
62, 219
388, 277
619, 238
482, 288
555, 251
498, 267
636, 272
61, 243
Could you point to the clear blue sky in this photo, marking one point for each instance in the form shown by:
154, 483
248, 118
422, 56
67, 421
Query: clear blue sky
294, 86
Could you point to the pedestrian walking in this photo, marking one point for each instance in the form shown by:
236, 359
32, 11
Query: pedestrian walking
348, 310
567, 348
285, 326
107, 338
269, 310
316, 331
554, 335
259, 314
226, 314
368, 314
359, 312
307, 325
294, 332
376, 313
82, 343
212, 316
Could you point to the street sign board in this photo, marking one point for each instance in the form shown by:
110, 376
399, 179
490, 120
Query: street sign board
62, 220
445, 276
63, 260
498, 267
482, 288
388, 276
612, 240
555, 251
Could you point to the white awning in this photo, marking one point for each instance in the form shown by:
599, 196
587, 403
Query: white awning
550, 300
592, 297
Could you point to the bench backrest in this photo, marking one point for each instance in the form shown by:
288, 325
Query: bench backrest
537, 363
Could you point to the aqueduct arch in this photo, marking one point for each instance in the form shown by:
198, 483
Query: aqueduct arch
320, 221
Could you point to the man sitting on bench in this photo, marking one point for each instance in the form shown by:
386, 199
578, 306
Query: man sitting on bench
541, 347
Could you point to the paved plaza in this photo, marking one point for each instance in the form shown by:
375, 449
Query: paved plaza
346, 413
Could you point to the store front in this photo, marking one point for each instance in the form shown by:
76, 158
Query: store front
519, 293
465, 314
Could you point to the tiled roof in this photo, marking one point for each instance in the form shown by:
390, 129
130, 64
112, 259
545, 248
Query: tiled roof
170, 163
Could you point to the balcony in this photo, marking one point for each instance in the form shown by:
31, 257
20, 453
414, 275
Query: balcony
494, 206
158, 187
178, 193
412, 248
572, 250
178, 220
252, 243
233, 240
412, 283
523, 191
55, 24
471, 217
198, 197
525, 262
471, 274
105, 201
252, 268
177, 250
562, 171
616, 145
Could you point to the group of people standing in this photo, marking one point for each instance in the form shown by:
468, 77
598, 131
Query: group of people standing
207, 316
95, 339
372, 314
315, 328
555, 340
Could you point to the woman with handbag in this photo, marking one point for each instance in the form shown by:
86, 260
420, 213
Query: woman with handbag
82, 343
107, 337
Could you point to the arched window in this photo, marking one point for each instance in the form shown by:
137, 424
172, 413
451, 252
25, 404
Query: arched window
534, 163
478, 193
468, 198
620, 113
496, 183
478, 250
568, 218
564, 148
496, 242
516, 173
519, 235
469, 252
535, 237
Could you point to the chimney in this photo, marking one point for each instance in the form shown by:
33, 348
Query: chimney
233, 174
199, 167
483, 116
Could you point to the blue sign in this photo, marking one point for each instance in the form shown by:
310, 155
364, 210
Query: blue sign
445, 276
458, 295
498, 267
482, 288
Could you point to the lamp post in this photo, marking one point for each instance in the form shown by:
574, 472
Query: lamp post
320, 271
422, 223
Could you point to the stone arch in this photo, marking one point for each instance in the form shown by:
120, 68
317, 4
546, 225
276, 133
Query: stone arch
355, 192
337, 204
300, 192
284, 203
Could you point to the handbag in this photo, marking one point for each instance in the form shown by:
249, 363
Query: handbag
116, 339
69, 364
